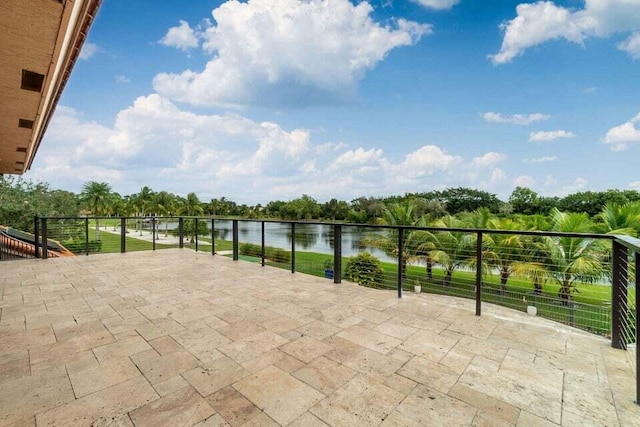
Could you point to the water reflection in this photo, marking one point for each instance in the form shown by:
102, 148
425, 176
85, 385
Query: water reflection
308, 237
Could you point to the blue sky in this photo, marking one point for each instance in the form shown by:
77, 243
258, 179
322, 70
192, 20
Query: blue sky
269, 99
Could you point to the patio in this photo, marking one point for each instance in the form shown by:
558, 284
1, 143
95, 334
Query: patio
174, 337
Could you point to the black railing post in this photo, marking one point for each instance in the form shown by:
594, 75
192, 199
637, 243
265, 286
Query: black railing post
181, 232
153, 232
637, 282
235, 239
337, 254
293, 247
400, 260
123, 235
86, 236
619, 295
479, 274
262, 249
45, 252
36, 234
213, 237
196, 224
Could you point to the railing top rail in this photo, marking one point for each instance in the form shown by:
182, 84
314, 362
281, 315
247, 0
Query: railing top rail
381, 226
629, 242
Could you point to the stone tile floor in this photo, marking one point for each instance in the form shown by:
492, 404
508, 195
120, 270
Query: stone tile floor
182, 339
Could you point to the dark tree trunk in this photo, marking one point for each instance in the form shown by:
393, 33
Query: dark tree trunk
447, 277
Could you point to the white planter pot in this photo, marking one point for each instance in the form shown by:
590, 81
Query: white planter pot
532, 310
417, 289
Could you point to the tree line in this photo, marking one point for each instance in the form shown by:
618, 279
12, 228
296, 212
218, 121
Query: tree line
20, 200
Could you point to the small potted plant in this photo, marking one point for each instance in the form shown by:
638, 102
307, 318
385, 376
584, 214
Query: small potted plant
417, 288
328, 268
532, 310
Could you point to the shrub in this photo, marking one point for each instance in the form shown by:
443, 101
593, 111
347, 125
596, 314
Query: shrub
78, 246
364, 269
270, 253
250, 249
277, 255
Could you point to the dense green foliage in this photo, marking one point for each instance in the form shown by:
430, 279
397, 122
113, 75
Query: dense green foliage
364, 269
277, 255
21, 200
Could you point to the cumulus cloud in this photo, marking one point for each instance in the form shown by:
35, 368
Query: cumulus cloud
547, 136
621, 136
287, 52
182, 37
88, 50
489, 159
154, 142
537, 23
631, 45
515, 119
543, 159
438, 4
524, 181
578, 184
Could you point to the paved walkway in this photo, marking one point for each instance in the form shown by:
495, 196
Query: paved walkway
181, 339
146, 235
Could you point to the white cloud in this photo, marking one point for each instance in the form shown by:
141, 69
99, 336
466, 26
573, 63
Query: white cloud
590, 90
88, 50
543, 159
634, 185
154, 142
539, 22
621, 136
515, 119
287, 52
182, 37
524, 181
121, 79
550, 180
577, 185
438, 4
489, 159
631, 45
547, 136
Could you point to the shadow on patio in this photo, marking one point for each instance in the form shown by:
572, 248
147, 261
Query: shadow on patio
182, 338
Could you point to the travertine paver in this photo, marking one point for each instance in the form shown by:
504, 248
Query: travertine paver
178, 338
184, 407
280, 395
360, 402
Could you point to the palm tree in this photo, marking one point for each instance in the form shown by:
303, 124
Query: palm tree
396, 214
504, 252
191, 206
452, 249
572, 259
620, 219
164, 203
95, 196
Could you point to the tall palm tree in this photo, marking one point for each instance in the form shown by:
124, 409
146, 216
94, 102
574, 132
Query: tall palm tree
191, 206
164, 203
95, 197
